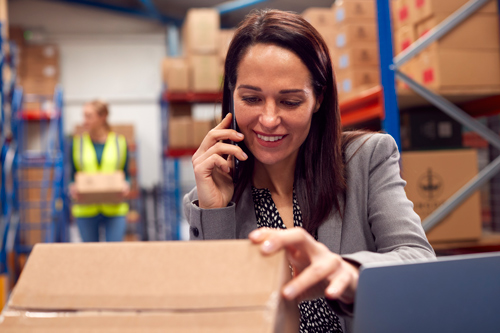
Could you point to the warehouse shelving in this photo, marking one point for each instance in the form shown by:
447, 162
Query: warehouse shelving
382, 102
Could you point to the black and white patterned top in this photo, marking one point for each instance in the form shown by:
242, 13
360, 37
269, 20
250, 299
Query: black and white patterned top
316, 316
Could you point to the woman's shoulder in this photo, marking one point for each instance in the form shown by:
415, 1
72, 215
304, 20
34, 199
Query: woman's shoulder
363, 147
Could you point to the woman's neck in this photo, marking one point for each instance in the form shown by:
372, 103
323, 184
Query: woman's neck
99, 135
278, 178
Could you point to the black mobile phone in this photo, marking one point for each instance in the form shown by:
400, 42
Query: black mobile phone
236, 163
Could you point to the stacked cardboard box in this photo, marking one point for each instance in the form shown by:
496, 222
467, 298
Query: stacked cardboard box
184, 131
323, 20
35, 201
465, 60
356, 47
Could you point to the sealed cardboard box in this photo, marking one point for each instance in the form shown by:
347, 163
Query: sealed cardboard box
433, 177
412, 70
200, 130
92, 288
357, 79
459, 70
328, 34
364, 55
206, 74
480, 31
38, 85
96, 188
354, 11
402, 13
319, 17
127, 130
180, 132
404, 37
201, 31
350, 34
176, 74
423, 9
36, 174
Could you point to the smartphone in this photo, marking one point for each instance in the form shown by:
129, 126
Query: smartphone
236, 163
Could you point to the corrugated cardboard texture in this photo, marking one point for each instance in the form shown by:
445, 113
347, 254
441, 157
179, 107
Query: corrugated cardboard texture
100, 187
209, 286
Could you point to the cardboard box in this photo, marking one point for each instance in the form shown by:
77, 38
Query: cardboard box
357, 56
432, 178
35, 193
350, 34
176, 74
38, 85
206, 74
423, 9
4, 18
402, 13
319, 17
92, 288
328, 34
35, 226
412, 70
201, 31
429, 128
354, 11
200, 131
36, 174
180, 132
480, 31
459, 69
404, 37
127, 130
357, 79
225, 37
99, 188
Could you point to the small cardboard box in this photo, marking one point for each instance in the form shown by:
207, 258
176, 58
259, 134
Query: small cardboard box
353, 33
433, 177
424, 9
200, 131
402, 14
176, 74
404, 37
459, 69
38, 85
225, 38
201, 31
206, 73
478, 32
357, 79
354, 11
319, 17
99, 188
210, 286
180, 132
127, 130
360, 55
411, 69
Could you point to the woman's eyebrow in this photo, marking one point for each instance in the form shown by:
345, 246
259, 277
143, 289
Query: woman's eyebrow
285, 91
246, 86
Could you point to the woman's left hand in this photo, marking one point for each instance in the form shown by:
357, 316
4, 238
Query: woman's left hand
318, 272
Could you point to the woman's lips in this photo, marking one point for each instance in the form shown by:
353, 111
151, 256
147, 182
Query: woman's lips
270, 141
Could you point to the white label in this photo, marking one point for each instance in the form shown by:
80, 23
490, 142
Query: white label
340, 14
341, 40
347, 85
49, 71
344, 61
445, 129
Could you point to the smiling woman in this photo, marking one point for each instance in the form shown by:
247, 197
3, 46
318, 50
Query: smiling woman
334, 201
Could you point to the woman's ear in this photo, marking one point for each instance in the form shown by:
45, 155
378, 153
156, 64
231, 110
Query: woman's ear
319, 100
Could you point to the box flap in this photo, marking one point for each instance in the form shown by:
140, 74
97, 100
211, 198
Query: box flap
149, 276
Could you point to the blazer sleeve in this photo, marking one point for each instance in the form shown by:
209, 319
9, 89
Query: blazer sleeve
396, 228
217, 223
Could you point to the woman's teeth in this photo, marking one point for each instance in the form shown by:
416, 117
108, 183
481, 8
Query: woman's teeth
270, 138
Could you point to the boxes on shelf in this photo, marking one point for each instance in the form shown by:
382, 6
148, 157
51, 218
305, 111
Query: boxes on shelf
180, 131
127, 130
433, 177
429, 128
364, 55
402, 14
354, 11
350, 82
240, 288
353, 33
206, 73
423, 9
412, 70
456, 70
200, 31
99, 188
404, 37
175, 73
225, 37
478, 32
319, 17
38, 85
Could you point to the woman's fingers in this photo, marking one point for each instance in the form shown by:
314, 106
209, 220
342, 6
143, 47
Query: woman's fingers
343, 283
222, 149
274, 240
204, 169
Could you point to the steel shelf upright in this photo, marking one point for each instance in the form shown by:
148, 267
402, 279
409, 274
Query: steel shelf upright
390, 67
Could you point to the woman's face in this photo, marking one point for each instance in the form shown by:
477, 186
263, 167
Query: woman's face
274, 103
91, 120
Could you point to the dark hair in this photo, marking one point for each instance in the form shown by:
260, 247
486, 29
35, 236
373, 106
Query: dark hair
320, 168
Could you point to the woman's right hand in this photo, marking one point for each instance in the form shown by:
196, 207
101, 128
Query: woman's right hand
212, 172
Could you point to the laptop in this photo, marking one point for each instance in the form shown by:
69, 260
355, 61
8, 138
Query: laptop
452, 294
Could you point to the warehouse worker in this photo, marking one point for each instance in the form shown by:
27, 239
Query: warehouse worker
99, 149
334, 201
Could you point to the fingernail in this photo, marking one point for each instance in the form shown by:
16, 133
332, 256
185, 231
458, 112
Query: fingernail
255, 234
267, 246
289, 292
245, 155
239, 135
227, 115
332, 291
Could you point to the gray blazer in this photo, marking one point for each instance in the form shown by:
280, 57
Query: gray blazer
378, 225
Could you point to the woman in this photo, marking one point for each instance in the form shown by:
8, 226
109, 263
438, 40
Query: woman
338, 195
99, 149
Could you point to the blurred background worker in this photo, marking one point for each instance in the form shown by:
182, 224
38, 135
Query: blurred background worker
98, 149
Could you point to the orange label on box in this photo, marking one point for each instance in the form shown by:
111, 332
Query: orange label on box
403, 13
429, 75
419, 3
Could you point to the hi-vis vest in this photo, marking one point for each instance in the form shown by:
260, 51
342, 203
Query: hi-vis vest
113, 159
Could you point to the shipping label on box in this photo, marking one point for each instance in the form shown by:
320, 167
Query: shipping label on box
100, 188
351, 34
358, 55
239, 290
354, 11
201, 31
423, 9
433, 177
480, 31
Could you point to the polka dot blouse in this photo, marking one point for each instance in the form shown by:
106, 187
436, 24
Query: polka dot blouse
316, 316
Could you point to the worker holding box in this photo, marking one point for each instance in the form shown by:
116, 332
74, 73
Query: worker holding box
99, 167
339, 196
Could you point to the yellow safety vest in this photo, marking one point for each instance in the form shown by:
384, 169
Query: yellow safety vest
113, 158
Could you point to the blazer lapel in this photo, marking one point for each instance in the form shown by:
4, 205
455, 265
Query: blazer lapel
245, 214
330, 232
